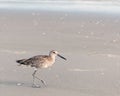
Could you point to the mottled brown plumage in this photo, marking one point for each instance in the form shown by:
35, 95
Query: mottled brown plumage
40, 61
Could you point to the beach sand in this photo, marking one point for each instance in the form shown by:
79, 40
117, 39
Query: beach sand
90, 41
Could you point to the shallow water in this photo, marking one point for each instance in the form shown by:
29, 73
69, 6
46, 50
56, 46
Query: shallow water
89, 40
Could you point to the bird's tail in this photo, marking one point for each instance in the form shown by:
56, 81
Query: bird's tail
22, 61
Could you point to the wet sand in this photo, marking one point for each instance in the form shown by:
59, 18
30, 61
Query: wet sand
90, 41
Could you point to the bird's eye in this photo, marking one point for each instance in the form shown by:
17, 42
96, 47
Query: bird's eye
53, 52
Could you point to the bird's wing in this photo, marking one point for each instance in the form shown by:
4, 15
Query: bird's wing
36, 60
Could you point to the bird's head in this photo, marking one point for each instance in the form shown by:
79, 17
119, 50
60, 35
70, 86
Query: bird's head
55, 53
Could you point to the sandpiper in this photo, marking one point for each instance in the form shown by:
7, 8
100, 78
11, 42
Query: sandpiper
40, 61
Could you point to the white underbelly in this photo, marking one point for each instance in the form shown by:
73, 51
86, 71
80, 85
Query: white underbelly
46, 65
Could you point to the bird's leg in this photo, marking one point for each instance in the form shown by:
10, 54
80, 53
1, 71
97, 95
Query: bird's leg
34, 85
37, 78
40, 80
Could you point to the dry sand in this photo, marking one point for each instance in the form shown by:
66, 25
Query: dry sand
90, 41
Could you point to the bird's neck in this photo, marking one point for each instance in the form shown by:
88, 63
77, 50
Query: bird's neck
52, 56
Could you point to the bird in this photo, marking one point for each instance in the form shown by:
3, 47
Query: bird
39, 62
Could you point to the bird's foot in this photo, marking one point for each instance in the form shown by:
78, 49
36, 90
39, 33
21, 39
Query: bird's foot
44, 83
36, 86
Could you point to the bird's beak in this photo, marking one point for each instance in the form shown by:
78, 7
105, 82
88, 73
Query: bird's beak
61, 57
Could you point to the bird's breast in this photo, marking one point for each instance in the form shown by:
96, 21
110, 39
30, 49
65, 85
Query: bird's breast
48, 62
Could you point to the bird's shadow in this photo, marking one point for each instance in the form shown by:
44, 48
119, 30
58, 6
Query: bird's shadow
20, 84
15, 83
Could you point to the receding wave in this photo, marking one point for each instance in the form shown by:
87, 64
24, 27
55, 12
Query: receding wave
104, 6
